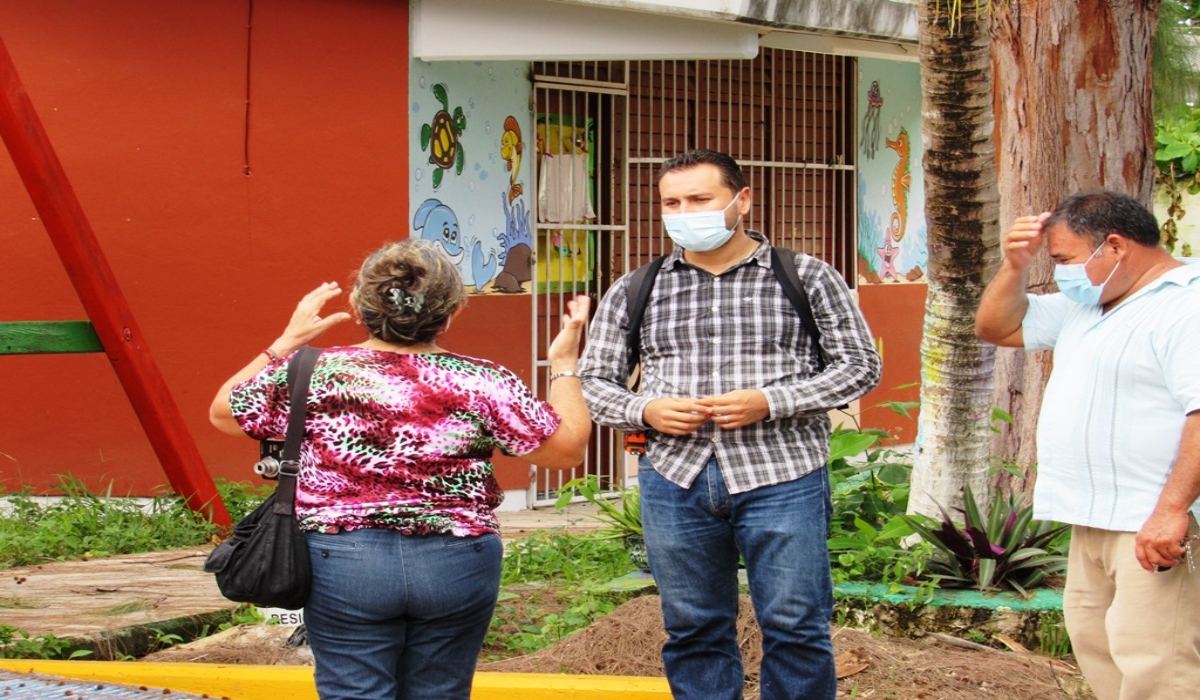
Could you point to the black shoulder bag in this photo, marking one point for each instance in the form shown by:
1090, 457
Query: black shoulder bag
265, 561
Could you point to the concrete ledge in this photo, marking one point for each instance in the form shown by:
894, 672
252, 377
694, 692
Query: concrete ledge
951, 611
239, 682
1040, 599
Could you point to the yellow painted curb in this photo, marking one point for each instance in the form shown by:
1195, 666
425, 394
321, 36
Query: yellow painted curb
246, 682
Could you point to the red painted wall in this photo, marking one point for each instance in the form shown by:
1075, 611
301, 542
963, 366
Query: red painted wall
144, 102
894, 312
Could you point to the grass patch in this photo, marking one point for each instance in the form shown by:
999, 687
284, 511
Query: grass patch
133, 606
549, 590
82, 525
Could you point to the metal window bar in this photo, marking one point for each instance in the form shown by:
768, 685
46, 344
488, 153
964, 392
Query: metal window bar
583, 99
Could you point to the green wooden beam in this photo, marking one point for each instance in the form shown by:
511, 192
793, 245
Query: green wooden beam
44, 337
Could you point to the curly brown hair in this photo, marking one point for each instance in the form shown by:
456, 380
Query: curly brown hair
406, 291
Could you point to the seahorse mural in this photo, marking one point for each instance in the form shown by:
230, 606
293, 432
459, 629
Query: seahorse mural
901, 180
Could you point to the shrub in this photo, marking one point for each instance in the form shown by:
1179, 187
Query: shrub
1004, 548
1177, 157
869, 498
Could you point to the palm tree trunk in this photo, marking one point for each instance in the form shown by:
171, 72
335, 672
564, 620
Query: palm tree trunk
961, 210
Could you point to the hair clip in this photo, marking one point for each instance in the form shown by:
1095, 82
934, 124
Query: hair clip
409, 300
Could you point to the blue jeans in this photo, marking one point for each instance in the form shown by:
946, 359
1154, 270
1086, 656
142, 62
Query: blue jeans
397, 617
693, 537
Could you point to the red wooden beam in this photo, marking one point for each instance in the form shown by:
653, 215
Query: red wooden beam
97, 288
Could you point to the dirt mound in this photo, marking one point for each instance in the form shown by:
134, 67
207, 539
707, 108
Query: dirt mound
629, 640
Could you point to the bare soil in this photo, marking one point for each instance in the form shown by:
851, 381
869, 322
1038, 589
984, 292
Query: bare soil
628, 641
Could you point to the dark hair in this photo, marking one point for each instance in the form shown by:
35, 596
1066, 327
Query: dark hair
406, 291
1094, 215
731, 173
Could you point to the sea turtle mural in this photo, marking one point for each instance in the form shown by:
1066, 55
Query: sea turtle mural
441, 137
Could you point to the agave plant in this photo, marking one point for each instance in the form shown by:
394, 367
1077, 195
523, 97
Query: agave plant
1005, 548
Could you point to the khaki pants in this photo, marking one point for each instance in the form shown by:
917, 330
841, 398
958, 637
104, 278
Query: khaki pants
1136, 635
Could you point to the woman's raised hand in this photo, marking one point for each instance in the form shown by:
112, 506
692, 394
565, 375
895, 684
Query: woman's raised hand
307, 324
565, 347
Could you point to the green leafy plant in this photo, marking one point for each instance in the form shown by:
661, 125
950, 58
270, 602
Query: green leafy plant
878, 554
562, 556
874, 489
1177, 159
869, 486
623, 518
164, 639
1006, 548
527, 622
18, 644
243, 614
1052, 635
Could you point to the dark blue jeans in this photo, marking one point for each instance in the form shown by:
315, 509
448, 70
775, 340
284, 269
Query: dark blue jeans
394, 617
693, 538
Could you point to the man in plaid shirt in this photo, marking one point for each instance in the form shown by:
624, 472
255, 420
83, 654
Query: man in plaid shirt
733, 400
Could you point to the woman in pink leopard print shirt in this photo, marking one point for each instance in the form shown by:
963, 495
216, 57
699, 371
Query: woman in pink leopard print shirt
396, 490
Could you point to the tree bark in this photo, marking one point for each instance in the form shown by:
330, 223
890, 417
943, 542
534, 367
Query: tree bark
961, 210
1073, 113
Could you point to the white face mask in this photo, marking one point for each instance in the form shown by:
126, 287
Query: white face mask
1073, 282
700, 231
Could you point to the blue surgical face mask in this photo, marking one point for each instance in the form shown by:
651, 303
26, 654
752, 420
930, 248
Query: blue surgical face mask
1073, 282
700, 231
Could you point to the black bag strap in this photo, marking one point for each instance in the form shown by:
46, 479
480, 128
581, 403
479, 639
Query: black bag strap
789, 279
637, 296
641, 284
299, 373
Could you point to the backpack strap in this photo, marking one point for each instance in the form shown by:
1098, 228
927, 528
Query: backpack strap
789, 279
641, 284
637, 296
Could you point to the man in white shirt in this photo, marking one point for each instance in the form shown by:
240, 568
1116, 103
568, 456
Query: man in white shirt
1118, 435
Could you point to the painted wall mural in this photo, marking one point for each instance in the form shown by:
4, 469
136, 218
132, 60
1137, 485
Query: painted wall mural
870, 122
441, 137
890, 187
467, 186
565, 196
